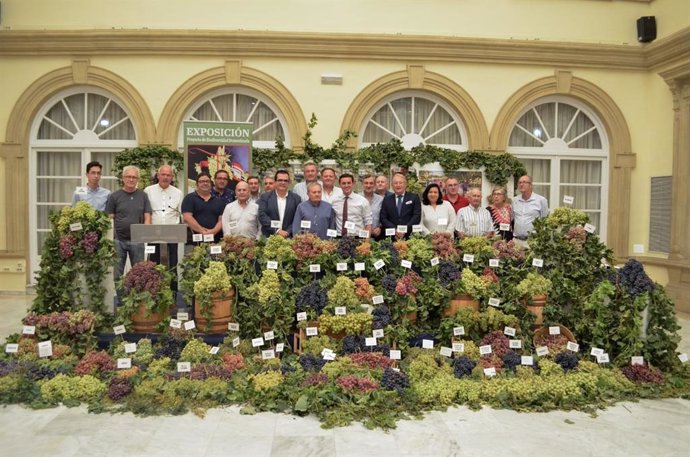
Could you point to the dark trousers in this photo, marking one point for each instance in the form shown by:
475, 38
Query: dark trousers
172, 260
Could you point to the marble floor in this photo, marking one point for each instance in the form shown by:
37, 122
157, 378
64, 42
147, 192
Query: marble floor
646, 428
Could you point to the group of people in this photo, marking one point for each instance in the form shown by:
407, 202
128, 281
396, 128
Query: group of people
221, 206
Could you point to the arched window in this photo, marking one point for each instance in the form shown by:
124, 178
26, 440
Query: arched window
564, 148
414, 118
73, 128
242, 105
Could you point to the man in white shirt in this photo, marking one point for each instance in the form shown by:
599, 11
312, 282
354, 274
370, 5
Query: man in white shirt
474, 219
352, 211
527, 207
254, 188
329, 190
375, 200
241, 217
165, 202
311, 174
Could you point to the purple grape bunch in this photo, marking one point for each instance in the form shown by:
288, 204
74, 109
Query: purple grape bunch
448, 273
394, 380
90, 242
312, 296
144, 277
635, 279
66, 246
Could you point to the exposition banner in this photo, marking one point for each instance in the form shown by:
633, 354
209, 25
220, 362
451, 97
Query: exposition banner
212, 146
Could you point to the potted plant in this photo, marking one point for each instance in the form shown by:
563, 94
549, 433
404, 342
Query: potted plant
468, 291
534, 289
147, 296
213, 298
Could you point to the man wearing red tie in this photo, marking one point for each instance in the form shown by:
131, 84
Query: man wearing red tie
400, 209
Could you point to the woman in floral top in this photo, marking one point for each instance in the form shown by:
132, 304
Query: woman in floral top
501, 212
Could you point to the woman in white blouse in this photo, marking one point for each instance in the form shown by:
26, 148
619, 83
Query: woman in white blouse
438, 215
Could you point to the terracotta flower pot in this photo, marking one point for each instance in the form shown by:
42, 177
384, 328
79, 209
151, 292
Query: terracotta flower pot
537, 308
221, 313
461, 301
141, 323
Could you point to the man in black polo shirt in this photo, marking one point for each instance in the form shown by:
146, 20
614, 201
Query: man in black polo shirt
201, 211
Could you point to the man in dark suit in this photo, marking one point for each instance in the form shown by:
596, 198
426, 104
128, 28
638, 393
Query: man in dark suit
401, 207
277, 207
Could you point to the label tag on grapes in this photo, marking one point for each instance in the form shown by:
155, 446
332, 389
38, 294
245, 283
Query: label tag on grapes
232, 225
119, 329
510, 331
331, 233
428, 344
379, 264
435, 261
490, 372
395, 354
406, 264
197, 237
81, 190
637, 360
272, 265
538, 263
683, 357
150, 249
378, 333
130, 348
341, 266
326, 351
280, 347
526, 360
370, 341
390, 232
269, 336
494, 262
275, 224
554, 330
312, 331
495, 302
417, 229
364, 234
377, 299
446, 351
75, 227
236, 341
45, 349
443, 221
182, 316
268, 354
11, 348
257, 342
360, 266
189, 325
515, 344
589, 228
484, 350
329, 356
603, 358
214, 350
305, 224
458, 347
301, 316
572, 346
174, 323
233, 326
208, 238
401, 228
184, 367
29, 330
504, 227
350, 225
568, 199
458, 331
542, 351
596, 352
468, 258
315, 268
340, 310
124, 363
215, 250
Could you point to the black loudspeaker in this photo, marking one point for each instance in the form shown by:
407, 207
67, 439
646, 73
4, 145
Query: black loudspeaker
646, 29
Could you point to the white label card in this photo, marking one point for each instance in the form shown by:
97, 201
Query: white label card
442, 221
81, 190
326, 351
280, 347
174, 323
395, 354
314, 268
554, 330
236, 342
11, 348
401, 228
504, 227
568, 199
573, 346
275, 224
312, 331
257, 342
305, 224
495, 302
189, 325
197, 237
272, 265
184, 367
350, 225
378, 333
596, 352
269, 336
459, 331
446, 351
233, 326
490, 372
301, 316
45, 349
458, 347
589, 228
208, 238
119, 329
379, 264
340, 310
360, 266
124, 363
510, 331
468, 258
484, 350
538, 263
526, 360
329, 356
406, 264
637, 360
603, 358
215, 250
515, 344
435, 261
29, 330
331, 233
130, 348
542, 351
390, 232
377, 299
494, 262
214, 350
182, 316
370, 341
341, 266
151, 249
428, 344
268, 354
417, 229
75, 227
232, 224
683, 357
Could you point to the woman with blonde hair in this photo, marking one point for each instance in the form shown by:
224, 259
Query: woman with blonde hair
501, 212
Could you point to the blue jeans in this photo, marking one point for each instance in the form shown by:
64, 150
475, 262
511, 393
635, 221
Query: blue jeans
124, 248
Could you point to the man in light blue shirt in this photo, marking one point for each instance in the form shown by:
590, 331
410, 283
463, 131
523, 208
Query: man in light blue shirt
318, 216
527, 207
92, 193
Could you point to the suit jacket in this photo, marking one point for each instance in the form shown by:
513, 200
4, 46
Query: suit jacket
410, 214
268, 211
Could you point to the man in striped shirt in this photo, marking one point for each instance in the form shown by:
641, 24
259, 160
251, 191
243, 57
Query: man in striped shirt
474, 220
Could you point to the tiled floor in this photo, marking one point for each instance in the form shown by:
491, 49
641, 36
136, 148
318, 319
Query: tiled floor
648, 428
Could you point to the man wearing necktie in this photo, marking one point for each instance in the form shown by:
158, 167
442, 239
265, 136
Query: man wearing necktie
352, 211
401, 208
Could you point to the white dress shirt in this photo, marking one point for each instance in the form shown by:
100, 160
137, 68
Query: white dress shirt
473, 221
439, 219
358, 212
282, 201
165, 204
526, 211
330, 198
242, 220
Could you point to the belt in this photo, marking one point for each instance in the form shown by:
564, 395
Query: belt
521, 238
